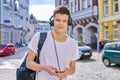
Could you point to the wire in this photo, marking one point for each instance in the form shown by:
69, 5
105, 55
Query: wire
55, 49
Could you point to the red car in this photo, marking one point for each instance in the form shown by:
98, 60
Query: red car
7, 49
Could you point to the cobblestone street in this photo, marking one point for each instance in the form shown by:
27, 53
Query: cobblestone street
92, 69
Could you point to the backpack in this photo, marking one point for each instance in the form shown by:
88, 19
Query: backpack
23, 73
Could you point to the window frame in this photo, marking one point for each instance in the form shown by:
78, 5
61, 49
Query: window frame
115, 32
115, 6
106, 8
106, 33
83, 4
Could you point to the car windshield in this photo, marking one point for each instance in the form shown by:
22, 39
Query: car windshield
81, 44
2, 46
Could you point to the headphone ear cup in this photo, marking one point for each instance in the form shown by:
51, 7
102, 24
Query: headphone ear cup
70, 21
52, 23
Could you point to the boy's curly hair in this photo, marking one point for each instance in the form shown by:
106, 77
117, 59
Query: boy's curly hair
61, 10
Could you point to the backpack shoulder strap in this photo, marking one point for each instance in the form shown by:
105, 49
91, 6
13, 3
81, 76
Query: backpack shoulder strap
41, 41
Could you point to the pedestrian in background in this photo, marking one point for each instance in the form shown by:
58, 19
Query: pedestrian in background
101, 45
66, 50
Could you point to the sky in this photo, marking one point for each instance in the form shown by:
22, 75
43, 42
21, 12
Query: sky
42, 9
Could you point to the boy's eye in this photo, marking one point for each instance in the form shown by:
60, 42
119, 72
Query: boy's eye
63, 20
57, 20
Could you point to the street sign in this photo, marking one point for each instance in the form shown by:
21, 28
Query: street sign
7, 21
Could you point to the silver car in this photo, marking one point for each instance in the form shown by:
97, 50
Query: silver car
84, 50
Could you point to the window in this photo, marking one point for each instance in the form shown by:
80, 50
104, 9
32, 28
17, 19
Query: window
65, 2
115, 32
106, 9
16, 5
76, 6
112, 47
115, 6
11, 3
72, 8
5, 14
118, 47
83, 4
8, 2
106, 33
89, 3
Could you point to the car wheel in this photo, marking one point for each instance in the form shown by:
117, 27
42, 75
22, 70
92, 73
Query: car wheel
81, 56
106, 62
5, 54
88, 57
13, 52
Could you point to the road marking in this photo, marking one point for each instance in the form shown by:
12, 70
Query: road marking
12, 64
7, 65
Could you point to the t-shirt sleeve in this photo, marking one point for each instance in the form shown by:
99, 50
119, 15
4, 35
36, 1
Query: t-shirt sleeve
33, 45
76, 54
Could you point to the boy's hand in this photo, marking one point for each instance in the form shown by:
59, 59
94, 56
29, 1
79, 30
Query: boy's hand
50, 69
62, 74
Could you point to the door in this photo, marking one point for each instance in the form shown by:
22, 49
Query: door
115, 53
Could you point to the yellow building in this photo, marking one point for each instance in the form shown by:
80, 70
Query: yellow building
109, 20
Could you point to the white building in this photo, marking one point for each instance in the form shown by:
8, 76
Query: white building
38, 26
43, 26
14, 21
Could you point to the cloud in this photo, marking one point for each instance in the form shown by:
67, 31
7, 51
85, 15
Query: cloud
41, 2
42, 9
41, 12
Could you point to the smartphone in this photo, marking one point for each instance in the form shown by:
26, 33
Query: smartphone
60, 71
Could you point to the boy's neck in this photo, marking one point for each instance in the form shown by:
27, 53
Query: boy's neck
59, 37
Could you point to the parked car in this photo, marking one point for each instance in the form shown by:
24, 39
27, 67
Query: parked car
84, 50
111, 53
7, 49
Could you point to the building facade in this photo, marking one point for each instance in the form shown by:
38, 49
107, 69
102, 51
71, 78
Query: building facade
33, 24
109, 20
38, 26
85, 20
44, 26
14, 21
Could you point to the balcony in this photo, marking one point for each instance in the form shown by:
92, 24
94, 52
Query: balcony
8, 4
87, 12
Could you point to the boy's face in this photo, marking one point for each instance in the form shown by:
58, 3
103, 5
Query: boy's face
60, 23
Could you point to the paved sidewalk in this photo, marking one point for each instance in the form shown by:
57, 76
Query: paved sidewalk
7, 74
9, 64
13, 61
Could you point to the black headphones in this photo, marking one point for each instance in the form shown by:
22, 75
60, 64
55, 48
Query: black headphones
51, 21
